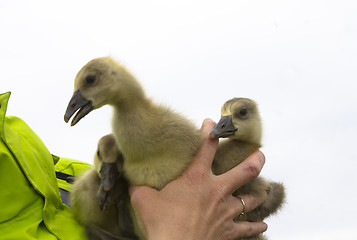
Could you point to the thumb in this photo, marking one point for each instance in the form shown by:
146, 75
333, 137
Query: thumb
207, 150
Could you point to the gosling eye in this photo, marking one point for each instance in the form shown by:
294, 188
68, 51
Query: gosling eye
243, 111
98, 154
90, 79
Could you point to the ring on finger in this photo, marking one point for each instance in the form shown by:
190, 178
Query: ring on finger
243, 203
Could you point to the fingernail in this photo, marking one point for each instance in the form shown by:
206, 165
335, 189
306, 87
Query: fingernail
264, 226
262, 158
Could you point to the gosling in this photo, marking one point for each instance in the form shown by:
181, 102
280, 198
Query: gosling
241, 124
100, 197
157, 142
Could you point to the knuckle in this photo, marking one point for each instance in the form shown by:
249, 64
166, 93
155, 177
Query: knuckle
250, 231
253, 170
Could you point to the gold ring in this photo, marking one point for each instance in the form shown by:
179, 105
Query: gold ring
243, 203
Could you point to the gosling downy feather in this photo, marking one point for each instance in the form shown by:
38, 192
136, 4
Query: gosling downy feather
241, 124
157, 142
89, 195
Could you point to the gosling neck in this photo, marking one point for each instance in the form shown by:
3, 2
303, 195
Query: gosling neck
127, 94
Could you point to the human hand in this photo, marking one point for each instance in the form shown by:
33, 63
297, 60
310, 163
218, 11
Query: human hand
199, 205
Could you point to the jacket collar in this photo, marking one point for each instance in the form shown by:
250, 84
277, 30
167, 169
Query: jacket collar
4, 99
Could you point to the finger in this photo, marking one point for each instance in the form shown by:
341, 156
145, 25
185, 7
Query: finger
244, 172
242, 229
206, 151
244, 204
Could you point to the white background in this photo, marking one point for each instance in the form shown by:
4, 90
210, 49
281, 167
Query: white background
297, 59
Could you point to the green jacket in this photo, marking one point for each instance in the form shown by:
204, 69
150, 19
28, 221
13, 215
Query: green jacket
30, 202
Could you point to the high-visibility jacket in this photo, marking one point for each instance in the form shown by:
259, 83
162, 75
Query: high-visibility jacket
30, 201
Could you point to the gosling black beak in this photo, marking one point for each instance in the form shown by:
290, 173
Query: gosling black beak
224, 128
109, 174
77, 102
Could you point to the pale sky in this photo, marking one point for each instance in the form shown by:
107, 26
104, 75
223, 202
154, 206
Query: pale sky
297, 59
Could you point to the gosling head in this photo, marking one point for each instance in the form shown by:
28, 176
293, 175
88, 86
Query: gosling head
101, 81
240, 120
108, 161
